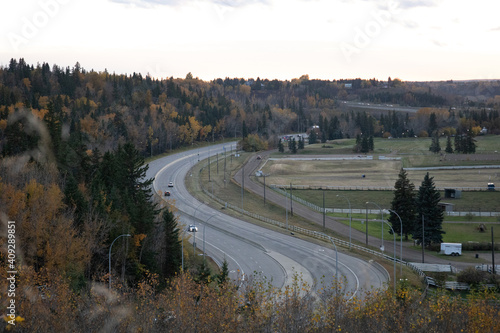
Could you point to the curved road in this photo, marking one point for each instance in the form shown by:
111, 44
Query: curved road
251, 250
409, 254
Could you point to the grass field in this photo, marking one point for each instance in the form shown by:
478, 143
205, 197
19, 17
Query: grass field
380, 173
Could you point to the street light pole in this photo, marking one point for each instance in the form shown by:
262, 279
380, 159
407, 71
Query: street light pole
350, 217
286, 209
394, 235
381, 211
204, 253
336, 262
182, 250
109, 256
401, 241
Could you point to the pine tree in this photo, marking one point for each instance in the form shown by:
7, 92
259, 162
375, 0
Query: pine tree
371, 145
301, 143
403, 204
293, 146
427, 207
323, 136
313, 138
435, 147
173, 246
281, 148
223, 276
365, 146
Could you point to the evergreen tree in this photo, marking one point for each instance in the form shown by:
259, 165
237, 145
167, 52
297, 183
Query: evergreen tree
301, 143
293, 146
223, 276
449, 148
403, 204
470, 143
313, 138
323, 136
458, 143
371, 145
281, 148
244, 130
427, 207
435, 147
172, 246
365, 147
432, 124
53, 119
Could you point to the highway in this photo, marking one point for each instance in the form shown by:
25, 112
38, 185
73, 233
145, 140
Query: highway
251, 250
379, 107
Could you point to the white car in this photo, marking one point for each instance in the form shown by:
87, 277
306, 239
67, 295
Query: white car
170, 184
192, 228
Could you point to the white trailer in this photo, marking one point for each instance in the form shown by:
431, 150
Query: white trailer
453, 249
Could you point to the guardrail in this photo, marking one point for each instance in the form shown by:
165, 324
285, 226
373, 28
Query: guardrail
282, 190
311, 233
373, 188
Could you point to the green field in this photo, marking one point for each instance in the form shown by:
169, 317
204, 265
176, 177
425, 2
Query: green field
469, 202
363, 180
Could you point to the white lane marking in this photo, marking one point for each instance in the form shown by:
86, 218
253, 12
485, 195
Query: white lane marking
235, 261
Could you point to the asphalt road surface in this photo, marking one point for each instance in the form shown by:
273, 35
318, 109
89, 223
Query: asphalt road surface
253, 251
409, 254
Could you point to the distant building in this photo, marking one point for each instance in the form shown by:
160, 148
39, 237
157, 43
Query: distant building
348, 85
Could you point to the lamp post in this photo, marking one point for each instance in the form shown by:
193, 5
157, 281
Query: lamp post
381, 211
204, 254
401, 241
182, 250
286, 208
109, 256
394, 235
336, 261
350, 216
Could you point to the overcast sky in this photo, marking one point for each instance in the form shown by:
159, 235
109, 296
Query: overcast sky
414, 40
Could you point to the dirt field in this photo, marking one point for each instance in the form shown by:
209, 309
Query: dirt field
377, 173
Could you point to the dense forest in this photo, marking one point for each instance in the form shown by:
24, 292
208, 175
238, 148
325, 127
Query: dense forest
73, 144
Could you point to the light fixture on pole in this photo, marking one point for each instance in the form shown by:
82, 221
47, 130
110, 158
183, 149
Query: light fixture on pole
109, 256
401, 241
394, 235
381, 211
336, 261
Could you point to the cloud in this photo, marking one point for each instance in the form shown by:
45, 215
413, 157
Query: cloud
410, 24
418, 3
226, 3
438, 43
495, 29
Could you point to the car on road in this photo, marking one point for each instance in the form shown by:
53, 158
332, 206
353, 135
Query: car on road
192, 228
167, 193
171, 184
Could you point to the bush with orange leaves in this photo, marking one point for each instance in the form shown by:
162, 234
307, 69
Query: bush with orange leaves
47, 304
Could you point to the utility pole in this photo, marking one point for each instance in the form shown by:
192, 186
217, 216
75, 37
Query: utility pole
291, 200
324, 211
264, 189
242, 184
217, 157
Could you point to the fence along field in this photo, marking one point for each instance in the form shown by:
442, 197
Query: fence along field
343, 170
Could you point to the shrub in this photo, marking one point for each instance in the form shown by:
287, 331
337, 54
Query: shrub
472, 276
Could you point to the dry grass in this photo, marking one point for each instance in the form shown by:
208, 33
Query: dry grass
378, 173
